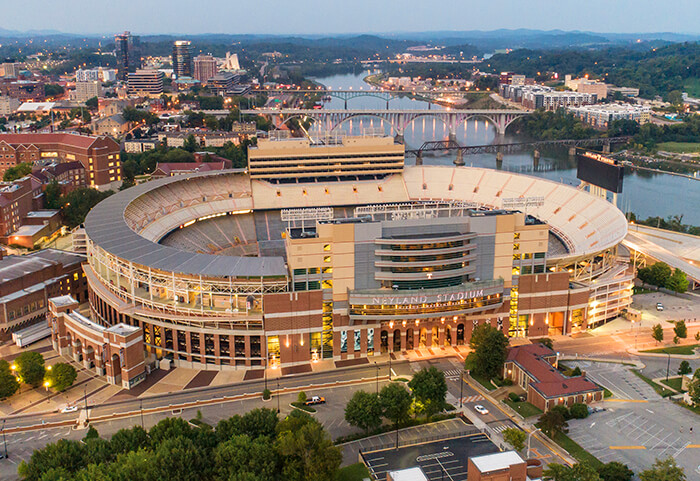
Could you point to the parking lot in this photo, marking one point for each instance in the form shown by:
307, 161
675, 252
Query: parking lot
439, 460
617, 378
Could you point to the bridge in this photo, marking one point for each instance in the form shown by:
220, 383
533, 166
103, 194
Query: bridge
384, 94
442, 145
398, 119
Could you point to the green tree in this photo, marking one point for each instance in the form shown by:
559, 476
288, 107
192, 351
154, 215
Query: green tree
126, 440
552, 422
515, 437
490, 346
77, 203
17, 172
694, 388
92, 103
430, 390
577, 472
578, 411
30, 368
180, 458
241, 454
64, 454
663, 470
259, 422
678, 282
52, 195
310, 454
61, 376
657, 332
657, 274
396, 402
680, 329
8, 382
364, 411
53, 90
615, 471
684, 368
191, 144
301, 397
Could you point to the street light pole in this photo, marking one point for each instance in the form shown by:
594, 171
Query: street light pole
528, 441
668, 364
87, 413
376, 375
278, 395
141, 409
461, 388
4, 438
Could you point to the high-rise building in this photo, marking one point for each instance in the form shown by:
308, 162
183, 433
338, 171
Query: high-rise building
145, 82
204, 67
87, 89
128, 50
182, 58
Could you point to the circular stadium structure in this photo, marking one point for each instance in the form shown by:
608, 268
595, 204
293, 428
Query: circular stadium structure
225, 270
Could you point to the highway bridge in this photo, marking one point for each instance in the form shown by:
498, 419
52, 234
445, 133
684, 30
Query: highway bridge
384, 94
451, 145
399, 119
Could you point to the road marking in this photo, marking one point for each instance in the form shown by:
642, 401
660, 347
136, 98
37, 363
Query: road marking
592, 424
649, 411
627, 447
693, 446
627, 401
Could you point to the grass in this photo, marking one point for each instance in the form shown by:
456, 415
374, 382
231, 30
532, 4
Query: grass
674, 383
390, 427
679, 147
354, 472
607, 393
303, 407
683, 350
483, 381
695, 409
400, 379
580, 454
524, 408
660, 390
692, 86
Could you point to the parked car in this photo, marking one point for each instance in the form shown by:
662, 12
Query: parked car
315, 400
659, 306
481, 409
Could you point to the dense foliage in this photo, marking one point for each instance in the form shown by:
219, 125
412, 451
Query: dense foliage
661, 275
489, 346
30, 368
547, 125
655, 71
61, 376
429, 390
77, 203
8, 382
674, 223
253, 447
17, 172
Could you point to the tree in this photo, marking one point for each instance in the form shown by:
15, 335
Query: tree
657, 332
30, 368
577, 472
395, 402
61, 376
52, 195
17, 172
310, 454
694, 388
126, 440
490, 346
77, 203
515, 437
364, 411
8, 382
92, 103
552, 422
301, 397
680, 329
179, 458
678, 281
546, 341
241, 454
657, 274
191, 144
663, 470
430, 390
684, 368
615, 471
578, 411
53, 90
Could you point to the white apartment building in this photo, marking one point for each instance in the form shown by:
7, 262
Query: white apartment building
602, 114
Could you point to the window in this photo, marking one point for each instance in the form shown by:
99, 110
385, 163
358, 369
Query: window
539, 269
516, 257
539, 255
527, 270
516, 246
327, 284
326, 247
343, 341
314, 270
516, 236
299, 272
326, 258
516, 271
327, 270
527, 255
314, 285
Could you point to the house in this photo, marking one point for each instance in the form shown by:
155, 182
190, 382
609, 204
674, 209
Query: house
114, 125
534, 368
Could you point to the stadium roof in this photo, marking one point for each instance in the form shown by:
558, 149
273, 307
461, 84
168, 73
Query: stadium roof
105, 225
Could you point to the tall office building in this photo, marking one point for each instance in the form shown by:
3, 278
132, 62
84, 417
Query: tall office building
145, 82
128, 51
182, 58
204, 67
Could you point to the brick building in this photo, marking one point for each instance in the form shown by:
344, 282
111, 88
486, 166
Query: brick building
69, 175
17, 199
534, 368
27, 283
98, 155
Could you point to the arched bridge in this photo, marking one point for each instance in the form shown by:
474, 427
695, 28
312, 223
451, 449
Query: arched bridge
384, 94
398, 119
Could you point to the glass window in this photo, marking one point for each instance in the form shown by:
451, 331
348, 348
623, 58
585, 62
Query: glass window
516, 257
327, 270
539, 269
370, 340
327, 284
314, 270
314, 285
326, 258
539, 255
326, 247
527, 255
343, 341
516, 246
527, 270
299, 272
516, 235
358, 340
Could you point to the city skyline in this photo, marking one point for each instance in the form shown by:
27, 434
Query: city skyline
333, 17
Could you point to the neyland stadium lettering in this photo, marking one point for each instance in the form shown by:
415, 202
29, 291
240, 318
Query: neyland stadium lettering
454, 296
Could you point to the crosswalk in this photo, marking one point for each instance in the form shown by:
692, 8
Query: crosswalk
500, 428
453, 374
472, 399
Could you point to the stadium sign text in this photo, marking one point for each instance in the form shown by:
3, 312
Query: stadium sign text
453, 296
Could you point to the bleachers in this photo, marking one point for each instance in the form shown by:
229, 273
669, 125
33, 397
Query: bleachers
232, 235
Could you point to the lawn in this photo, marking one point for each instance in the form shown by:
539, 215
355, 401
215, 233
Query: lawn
354, 472
607, 393
692, 86
524, 408
679, 147
483, 381
581, 455
660, 390
674, 382
684, 350
303, 407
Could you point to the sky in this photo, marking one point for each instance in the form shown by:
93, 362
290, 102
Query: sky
347, 16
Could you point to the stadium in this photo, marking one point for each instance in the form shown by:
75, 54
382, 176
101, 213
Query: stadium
238, 269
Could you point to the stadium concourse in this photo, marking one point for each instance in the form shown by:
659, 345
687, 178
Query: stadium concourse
221, 271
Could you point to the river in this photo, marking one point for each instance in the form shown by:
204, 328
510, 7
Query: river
645, 193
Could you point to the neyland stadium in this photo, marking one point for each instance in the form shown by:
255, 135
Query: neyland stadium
339, 251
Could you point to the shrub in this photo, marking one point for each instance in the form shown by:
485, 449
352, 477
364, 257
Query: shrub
266, 394
563, 410
61, 376
301, 397
578, 411
514, 397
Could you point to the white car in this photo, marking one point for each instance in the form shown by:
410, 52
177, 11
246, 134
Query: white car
481, 409
659, 306
69, 409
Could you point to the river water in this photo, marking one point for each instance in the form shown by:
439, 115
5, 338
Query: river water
645, 193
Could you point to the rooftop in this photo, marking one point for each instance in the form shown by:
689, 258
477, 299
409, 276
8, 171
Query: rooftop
496, 461
14, 267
